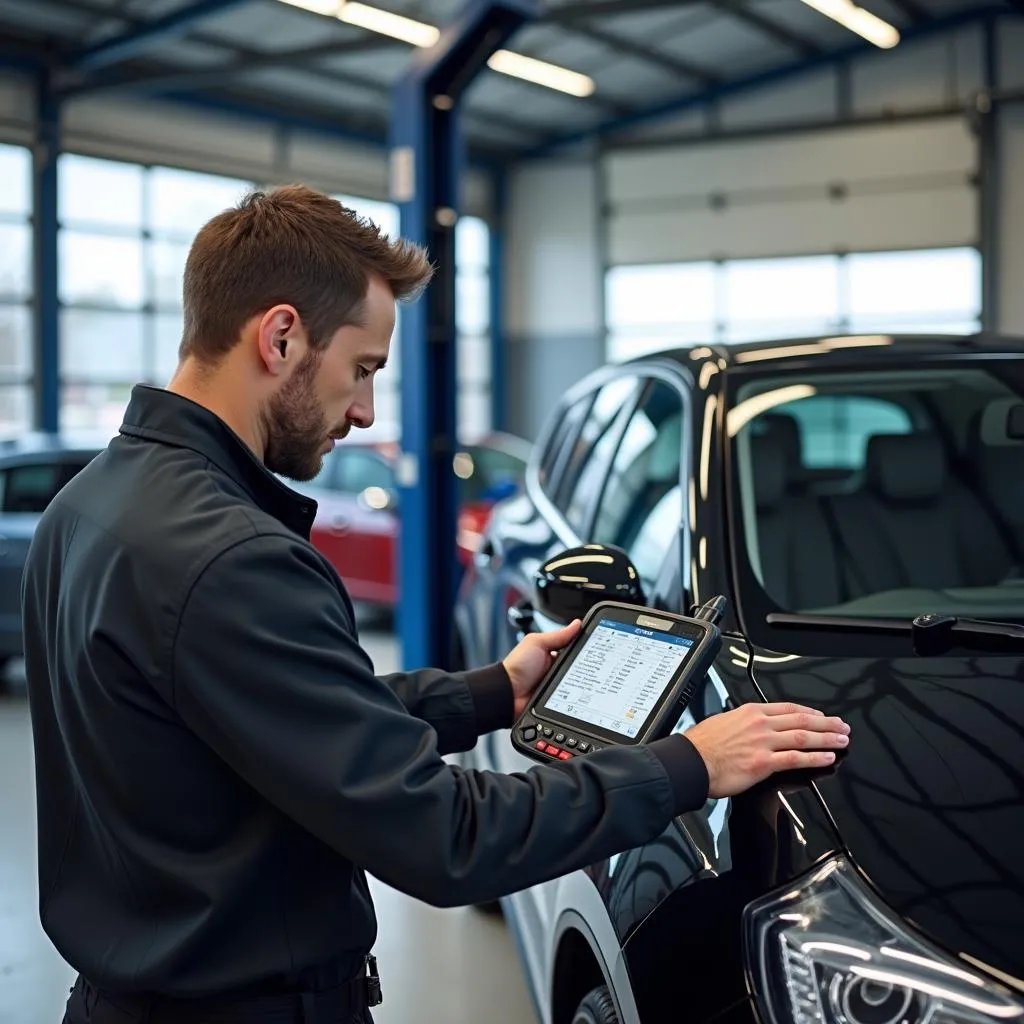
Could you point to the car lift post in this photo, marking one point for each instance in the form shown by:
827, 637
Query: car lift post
427, 154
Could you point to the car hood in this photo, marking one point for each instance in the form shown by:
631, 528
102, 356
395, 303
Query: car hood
929, 798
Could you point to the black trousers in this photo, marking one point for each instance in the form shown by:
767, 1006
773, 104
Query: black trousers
334, 1006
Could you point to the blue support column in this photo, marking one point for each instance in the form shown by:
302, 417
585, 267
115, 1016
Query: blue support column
496, 296
46, 347
989, 178
427, 159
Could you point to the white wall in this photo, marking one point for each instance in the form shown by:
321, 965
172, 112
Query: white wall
553, 287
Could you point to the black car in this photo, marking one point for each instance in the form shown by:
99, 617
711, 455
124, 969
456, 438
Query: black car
33, 468
832, 490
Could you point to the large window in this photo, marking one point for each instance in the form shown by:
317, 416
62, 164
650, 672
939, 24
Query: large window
125, 235
15, 289
125, 231
654, 307
472, 318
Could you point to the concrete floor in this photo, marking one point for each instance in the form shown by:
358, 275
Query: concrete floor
437, 966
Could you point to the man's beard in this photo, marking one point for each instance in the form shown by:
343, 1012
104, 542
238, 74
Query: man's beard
296, 425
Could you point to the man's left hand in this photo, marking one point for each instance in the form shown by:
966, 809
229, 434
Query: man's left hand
528, 662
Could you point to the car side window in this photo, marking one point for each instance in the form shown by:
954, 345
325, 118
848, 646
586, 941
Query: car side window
588, 458
563, 434
641, 505
593, 452
30, 488
356, 471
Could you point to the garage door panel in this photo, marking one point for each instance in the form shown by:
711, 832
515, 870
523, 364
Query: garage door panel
905, 186
903, 220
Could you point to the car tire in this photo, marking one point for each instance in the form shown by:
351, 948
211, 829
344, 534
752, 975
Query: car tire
597, 1007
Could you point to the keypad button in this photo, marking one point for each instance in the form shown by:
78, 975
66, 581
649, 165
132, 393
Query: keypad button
560, 737
583, 746
564, 755
548, 731
571, 741
552, 750
529, 734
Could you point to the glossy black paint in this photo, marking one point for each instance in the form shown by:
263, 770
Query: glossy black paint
568, 586
927, 801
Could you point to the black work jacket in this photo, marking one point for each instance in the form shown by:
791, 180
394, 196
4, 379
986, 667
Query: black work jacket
217, 763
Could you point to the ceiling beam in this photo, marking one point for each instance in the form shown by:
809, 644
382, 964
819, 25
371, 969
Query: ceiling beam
768, 27
146, 34
621, 44
254, 58
570, 13
72, 83
690, 101
910, 9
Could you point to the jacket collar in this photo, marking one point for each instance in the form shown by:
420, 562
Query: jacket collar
156, 414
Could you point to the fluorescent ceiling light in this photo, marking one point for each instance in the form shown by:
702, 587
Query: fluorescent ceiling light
387, 24
856, 19
419, 33
541, 73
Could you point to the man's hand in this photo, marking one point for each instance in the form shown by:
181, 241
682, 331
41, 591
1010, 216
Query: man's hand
528, 662
743, 747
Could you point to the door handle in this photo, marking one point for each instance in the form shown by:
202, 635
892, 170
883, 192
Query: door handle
340, 524
520, 617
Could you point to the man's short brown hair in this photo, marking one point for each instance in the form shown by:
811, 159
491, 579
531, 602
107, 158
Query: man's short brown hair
290, 245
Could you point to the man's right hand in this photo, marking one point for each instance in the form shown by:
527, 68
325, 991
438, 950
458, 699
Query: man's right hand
743, 747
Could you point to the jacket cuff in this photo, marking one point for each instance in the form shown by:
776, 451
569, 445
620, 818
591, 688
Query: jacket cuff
686, 771
491, 690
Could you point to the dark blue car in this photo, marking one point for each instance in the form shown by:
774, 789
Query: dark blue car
833, 491
33, 468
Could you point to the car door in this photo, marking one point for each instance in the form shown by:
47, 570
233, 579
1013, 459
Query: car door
358, 524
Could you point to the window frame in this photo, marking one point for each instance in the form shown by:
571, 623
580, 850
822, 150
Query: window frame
754, 608
661, 368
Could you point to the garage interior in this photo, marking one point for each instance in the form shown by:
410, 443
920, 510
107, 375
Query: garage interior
605, 179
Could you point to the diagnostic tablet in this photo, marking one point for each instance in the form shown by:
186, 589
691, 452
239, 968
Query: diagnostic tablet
625, 679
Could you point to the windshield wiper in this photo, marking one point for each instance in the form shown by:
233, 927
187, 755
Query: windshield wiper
937, 634
840, 623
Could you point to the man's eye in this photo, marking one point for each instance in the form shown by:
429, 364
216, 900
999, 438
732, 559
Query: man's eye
362, 372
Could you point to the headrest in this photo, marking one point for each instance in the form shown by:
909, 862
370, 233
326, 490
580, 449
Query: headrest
663, 461
768, 458
994, 426
785, 428
906, 467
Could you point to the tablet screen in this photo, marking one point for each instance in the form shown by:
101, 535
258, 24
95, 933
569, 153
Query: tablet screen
616, 679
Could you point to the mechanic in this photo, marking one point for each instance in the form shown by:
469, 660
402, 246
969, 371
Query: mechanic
217, 763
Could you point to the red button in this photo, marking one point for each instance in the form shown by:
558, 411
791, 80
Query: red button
542, 746
564, 755
554, 751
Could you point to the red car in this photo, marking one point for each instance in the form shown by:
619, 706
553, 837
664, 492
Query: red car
357, 520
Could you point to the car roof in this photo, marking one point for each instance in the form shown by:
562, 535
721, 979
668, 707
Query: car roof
847, 348
40, 443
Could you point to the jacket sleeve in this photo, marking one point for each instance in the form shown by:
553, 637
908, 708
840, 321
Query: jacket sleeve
459, 706
264, 668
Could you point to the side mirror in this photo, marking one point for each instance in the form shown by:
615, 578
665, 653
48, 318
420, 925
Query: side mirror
567, 586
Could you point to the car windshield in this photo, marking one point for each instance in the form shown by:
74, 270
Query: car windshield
883, 493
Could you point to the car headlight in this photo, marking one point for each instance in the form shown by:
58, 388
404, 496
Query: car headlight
828, 952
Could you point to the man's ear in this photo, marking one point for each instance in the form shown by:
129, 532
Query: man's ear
280, 338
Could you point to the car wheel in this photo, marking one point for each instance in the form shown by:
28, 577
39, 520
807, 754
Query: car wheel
597, 1007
